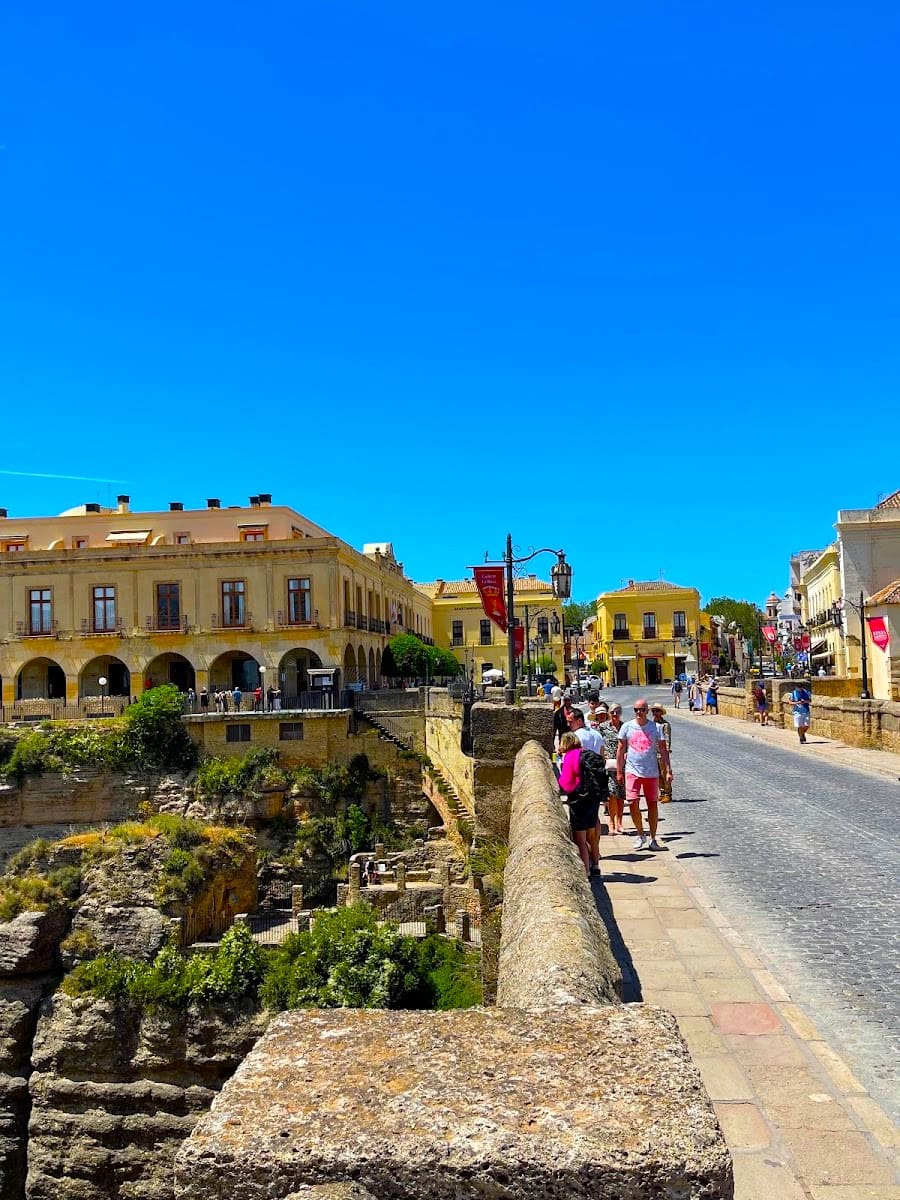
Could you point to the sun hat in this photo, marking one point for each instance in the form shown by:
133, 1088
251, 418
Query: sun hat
658, 708
602, 708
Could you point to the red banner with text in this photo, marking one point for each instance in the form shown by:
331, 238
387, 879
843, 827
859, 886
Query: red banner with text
519, 641
879, 631
769, 632
490, 583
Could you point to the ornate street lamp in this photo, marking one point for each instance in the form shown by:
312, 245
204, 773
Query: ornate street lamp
561, 582
102, 682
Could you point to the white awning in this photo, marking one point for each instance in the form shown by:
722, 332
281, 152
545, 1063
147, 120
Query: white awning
317, 671
819, 643
623, 658
135, 536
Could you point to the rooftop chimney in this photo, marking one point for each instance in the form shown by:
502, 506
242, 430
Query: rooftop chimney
176, 506
3, 514
265, 497
123, 503
213, 504
254, 501
92, 508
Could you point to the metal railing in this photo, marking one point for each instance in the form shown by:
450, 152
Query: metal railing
153, 625
621, 635
246, 622
25, 630
89, 707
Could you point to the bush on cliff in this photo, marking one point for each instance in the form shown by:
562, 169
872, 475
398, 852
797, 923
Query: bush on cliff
252, 771
155, 733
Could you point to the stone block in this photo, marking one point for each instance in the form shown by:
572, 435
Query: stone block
462, 1105
29, 943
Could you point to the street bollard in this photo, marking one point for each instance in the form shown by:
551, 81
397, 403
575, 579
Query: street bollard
296, 899
354, 883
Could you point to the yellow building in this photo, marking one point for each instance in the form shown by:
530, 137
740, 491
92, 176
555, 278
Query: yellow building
213, 597
819, 590
460, 625
649, 632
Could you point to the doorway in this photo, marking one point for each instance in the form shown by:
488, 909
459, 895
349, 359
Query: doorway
653, 671
621, 673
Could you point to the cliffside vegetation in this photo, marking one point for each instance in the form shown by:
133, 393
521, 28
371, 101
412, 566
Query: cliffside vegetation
347, 960
149, 735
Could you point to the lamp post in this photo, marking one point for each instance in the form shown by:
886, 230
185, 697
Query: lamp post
554, 626
262, 688
860, 610
561, 581
102, 682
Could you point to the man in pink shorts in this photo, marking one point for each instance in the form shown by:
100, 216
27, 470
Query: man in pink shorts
638, 758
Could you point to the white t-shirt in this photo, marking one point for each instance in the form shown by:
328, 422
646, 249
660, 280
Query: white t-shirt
590, 739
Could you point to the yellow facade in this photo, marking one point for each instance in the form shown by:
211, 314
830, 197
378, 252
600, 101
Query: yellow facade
200, 598
649, 632
461, 626
820, 589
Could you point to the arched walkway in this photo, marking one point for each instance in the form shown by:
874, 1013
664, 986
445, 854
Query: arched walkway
41, 679
378, 668
362, 673
349, 666
371, 667
292, 677
113, 670
170, 668
234, 669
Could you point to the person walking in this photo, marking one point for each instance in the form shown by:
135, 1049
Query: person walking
801, 698
204, 701
589, 739
658, 713
583, 808
609, 731
712, 695
693, 696
561, 718
677, 689
761, 701
237, 697
638, 757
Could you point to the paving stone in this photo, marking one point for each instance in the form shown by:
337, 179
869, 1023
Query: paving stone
701, 1036
682, 1004
714, 966
681, 918
819, 1111
764, 1177
851, 1192
836, 1067
836, 1157
799, 1022
744, 1126
736, 990
872, 1116
696, 941
774, 1049
751, 1018
723, 1078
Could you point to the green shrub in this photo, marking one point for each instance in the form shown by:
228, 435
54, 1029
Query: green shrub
489, 857
182, 876
32, 755
27, 893
28, 855
453, 972
155, 732
81, 943
67, 881
257, 768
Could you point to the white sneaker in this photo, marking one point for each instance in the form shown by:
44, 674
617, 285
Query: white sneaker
640, 843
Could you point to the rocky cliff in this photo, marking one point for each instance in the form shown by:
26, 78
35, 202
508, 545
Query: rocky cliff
114, 1093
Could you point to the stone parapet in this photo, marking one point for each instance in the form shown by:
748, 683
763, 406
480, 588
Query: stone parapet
461, 1105
554, 948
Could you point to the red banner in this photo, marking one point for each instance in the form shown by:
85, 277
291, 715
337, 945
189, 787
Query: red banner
704, 650
490, 583
519, 641
805, 641
769, 632
879, 631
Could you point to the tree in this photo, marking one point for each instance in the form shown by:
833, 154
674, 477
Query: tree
744, 613
408, 653
545, 664
442, 663
576, 612
598, 666
155, 732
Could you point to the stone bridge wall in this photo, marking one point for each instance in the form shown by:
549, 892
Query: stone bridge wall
554, 948
871, 724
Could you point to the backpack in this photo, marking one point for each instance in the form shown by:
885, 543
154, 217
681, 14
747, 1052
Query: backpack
594, 779
677, 687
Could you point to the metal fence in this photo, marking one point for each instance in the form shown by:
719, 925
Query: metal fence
270, 929
206, 929
90, 707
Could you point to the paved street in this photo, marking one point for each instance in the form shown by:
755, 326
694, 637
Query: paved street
803, 858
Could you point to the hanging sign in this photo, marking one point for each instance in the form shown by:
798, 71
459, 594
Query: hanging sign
879, 631
704, 650
769, 632
490, 581
519, 640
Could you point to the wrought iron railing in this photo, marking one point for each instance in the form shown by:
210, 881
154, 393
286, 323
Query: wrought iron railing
621, 635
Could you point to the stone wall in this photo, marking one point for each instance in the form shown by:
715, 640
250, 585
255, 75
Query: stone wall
498, 733
870, 724
443, 742
554, 947
81, 797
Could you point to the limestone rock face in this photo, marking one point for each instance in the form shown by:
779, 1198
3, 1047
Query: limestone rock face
29, 943
113, 1094
577, 1102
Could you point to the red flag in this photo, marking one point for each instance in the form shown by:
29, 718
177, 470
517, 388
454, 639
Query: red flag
519, 641
879, 631
704, 650
769, 632
804, 641
490, 582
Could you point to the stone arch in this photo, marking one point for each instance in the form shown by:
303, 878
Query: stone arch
349, 666
234, 668
108, 667
361, 667
378, 665
170, 668
371, 667
292, 670
41, 679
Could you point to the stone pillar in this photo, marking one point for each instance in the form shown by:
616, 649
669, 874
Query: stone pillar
353, 895
379, 851
444, 880
343, 892
400, 876
435, 914
463, 925
242, 918
296, 899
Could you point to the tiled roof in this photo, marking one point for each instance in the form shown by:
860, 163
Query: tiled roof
887, 595
648, 585
465, 587
892, 501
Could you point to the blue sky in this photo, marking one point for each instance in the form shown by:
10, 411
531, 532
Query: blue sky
622, 279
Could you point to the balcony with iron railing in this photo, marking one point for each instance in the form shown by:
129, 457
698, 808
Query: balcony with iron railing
45, 629
350, 619
649, 633
239, 621
679, 631
154, 624
283, 621
116, 629
621, 635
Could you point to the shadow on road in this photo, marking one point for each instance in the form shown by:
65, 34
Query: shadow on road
698, 854
631, 983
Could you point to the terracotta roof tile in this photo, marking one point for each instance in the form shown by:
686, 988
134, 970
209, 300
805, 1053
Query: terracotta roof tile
463, 587
887, 595
648, 585
892, 501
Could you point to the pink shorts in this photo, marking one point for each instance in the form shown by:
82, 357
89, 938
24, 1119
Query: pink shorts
635, 784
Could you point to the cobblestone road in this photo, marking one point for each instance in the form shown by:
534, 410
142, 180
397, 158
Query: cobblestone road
803, 857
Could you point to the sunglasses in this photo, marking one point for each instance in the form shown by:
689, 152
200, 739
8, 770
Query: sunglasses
640, 709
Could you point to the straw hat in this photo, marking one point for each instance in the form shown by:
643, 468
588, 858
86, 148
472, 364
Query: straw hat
657, 708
